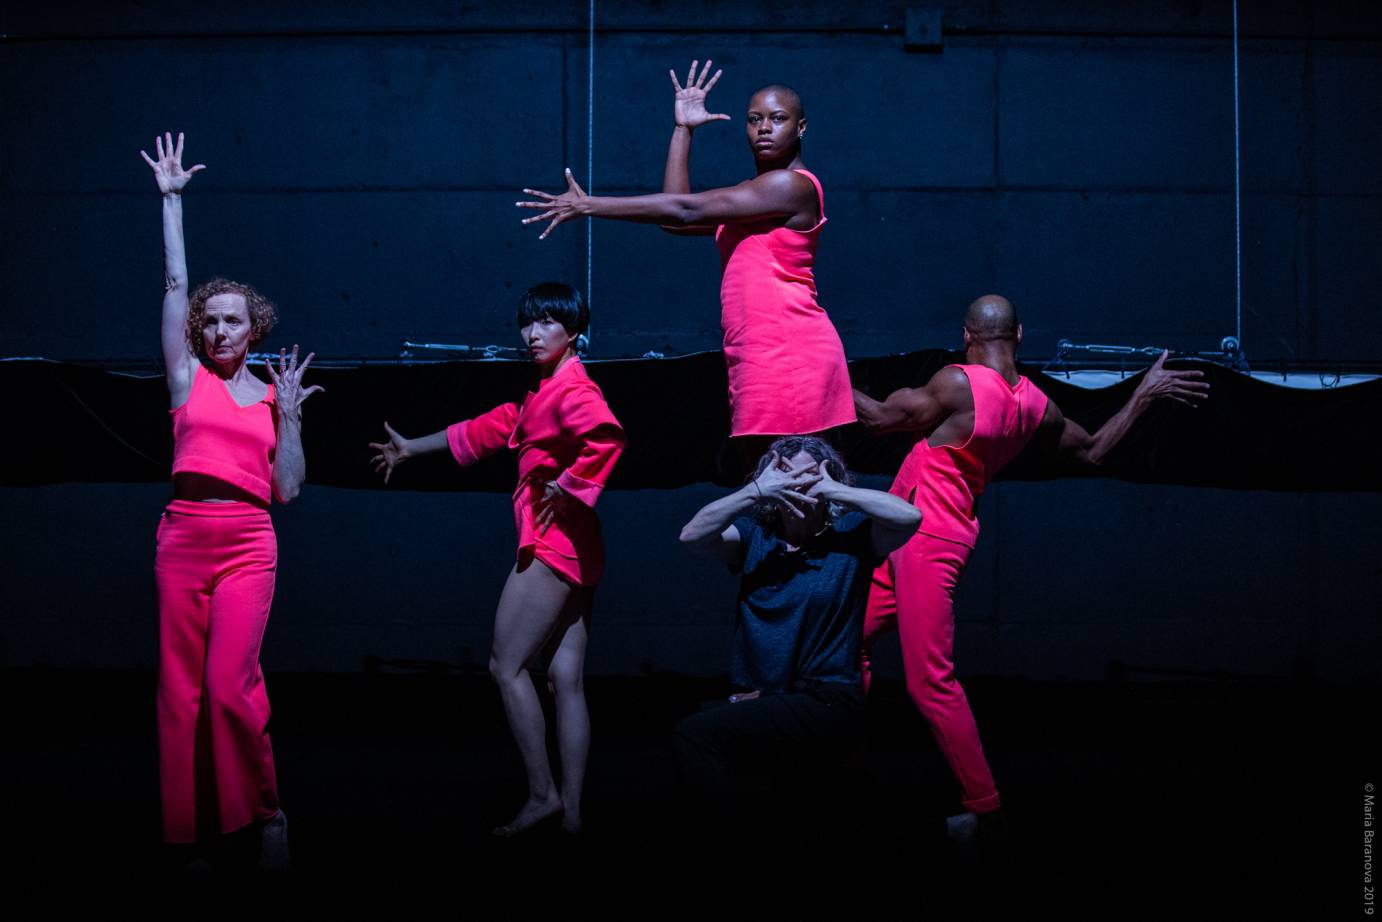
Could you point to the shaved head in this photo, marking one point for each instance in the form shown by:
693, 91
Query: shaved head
992, 317
789, 97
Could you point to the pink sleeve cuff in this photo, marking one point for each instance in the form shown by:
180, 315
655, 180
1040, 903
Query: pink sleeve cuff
587, 491
460, 445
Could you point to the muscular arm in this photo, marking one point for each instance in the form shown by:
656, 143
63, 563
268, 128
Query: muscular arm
676, 178
914, 409
777, 193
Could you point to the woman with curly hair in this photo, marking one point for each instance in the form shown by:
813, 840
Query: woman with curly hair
237, 443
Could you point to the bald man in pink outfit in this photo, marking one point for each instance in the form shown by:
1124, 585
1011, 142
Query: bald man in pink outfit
971, 419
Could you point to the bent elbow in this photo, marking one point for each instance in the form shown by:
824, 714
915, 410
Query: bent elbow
866, 411
697, 544
686, 214
871, 422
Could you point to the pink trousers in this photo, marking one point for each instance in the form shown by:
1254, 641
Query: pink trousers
914, 592
215, 573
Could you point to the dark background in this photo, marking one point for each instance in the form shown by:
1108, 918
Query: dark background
363, 160
1174, 683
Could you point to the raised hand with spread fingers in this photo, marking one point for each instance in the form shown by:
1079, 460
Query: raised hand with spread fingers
689, 109
179, 359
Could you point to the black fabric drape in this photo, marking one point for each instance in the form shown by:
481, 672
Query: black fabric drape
75, 423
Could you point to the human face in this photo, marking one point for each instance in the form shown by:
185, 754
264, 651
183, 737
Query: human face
547, 340
774, 130
802, 459
227, 331
814, 515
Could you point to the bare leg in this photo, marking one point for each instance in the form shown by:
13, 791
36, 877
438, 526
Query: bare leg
566, 674
530, 607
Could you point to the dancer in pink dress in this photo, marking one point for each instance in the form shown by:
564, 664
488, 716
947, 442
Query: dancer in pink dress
787, 372
567, 442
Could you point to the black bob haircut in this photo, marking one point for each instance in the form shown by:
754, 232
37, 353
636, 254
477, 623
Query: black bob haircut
558, 300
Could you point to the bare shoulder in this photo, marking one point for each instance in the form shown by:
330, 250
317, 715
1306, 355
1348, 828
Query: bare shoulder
786, 183
950, 386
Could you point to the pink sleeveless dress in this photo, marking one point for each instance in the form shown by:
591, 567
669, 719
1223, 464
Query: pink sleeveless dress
787, 372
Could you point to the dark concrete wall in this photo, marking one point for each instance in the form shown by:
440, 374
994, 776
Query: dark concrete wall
363, 161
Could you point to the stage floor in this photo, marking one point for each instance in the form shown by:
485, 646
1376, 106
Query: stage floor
1127, 800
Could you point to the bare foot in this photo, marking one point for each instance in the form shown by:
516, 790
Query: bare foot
533, 812
571, 821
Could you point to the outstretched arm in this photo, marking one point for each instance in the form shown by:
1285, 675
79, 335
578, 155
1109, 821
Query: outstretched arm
776, 193
468, 441
913, 409
179, 361
689, 113
1079, 447
399, 449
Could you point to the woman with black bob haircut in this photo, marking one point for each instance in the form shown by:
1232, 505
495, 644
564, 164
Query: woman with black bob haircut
567, 442
562, 303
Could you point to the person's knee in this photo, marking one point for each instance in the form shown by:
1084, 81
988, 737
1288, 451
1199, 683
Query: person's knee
931, 690
500, 671
225, 693
565, 678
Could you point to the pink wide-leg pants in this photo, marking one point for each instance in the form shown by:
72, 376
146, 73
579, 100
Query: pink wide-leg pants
215, 573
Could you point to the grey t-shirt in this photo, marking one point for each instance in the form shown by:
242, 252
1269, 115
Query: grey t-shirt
801, 612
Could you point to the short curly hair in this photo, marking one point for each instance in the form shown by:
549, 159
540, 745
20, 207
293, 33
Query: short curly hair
263, 314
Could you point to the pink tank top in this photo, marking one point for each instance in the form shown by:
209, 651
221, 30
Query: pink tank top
215, 436
945, 482
787, 371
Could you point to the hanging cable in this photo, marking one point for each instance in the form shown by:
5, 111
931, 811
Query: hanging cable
1237, 189
590, 156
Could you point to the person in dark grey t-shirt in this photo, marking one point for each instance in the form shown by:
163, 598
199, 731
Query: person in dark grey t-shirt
805, 542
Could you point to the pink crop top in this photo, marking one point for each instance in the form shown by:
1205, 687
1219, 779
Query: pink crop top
215, 436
